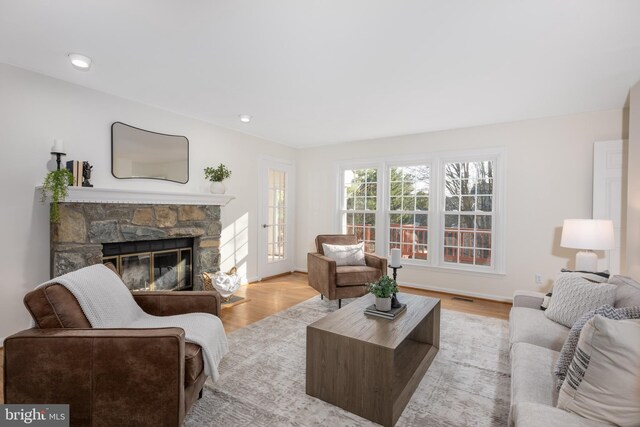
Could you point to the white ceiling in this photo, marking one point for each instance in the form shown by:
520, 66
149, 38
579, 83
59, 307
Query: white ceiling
329, 71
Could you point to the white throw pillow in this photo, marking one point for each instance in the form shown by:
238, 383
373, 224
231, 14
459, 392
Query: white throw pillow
345, 254
573, 296
603, 380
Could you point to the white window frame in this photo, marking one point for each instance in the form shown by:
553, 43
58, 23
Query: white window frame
379, 193
497, 228
436, 162
387, 206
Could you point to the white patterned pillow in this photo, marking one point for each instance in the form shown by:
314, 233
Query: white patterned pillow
345, 254
602, 382
592, 276
574, 296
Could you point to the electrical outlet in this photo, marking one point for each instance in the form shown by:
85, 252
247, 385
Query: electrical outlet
539, 278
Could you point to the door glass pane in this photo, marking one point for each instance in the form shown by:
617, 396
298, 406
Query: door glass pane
276, 221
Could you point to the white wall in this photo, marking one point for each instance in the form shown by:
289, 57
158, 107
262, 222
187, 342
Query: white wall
549, 170
549, 165
34, 109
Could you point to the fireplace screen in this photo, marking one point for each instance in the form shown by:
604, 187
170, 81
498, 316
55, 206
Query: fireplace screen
161, 265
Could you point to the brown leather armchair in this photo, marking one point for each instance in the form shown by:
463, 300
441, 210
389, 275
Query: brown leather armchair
109, 377
347, 281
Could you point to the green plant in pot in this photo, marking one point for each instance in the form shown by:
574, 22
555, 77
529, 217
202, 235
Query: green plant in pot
216, 176
55, 187
383, 289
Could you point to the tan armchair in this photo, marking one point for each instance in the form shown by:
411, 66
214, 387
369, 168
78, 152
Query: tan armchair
346, 281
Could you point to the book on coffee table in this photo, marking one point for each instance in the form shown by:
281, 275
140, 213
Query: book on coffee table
391, 314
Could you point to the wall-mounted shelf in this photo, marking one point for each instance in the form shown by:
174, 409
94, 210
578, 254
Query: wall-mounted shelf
119, 195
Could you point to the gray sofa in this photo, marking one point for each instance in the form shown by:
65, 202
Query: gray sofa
535, 346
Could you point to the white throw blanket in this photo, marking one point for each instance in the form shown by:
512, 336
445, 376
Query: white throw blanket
108, 303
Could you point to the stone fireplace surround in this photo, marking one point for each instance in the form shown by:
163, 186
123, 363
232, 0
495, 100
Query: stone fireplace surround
76, 241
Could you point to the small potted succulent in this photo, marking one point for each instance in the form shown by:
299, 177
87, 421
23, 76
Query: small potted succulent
55, 186
216, 176
383, 289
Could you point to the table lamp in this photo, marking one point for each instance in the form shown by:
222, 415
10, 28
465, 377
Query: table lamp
587, 235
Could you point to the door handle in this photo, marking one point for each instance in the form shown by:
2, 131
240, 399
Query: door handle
265, 225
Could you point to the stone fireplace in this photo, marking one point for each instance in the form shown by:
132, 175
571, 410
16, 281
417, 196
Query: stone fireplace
85, 228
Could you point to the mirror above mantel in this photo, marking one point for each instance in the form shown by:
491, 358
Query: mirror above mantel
142, 154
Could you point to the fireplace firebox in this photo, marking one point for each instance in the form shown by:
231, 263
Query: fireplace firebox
153, 265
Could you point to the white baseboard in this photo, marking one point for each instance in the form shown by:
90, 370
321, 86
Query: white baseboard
456, 292
445, 290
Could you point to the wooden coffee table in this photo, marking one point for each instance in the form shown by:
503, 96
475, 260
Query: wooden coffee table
371, 366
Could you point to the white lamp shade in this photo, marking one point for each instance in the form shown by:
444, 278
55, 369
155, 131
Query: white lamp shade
591, 234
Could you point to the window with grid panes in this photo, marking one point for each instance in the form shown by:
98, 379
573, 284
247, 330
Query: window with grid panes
408, 210
468, 213
359, 205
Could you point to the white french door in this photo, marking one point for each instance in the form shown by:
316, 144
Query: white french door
275, 226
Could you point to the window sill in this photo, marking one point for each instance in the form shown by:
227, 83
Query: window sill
453, 269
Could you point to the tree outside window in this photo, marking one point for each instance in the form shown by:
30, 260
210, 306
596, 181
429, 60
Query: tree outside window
408, 210
468, 213
360, 202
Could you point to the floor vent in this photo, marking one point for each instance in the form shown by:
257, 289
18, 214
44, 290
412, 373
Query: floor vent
463, 299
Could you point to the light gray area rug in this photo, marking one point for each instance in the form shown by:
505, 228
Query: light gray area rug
262, 378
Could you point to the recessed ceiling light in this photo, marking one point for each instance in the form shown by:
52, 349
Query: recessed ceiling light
80, 62
245, 118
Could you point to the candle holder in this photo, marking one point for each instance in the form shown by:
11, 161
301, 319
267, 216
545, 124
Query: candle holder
58, 155
394, 299
395, 270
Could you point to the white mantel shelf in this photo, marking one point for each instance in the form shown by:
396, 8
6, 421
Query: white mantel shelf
113, 195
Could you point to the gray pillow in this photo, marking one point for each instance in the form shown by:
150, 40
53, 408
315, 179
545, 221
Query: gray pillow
345, 254
627, 293
570, 345
574, 296
602, 382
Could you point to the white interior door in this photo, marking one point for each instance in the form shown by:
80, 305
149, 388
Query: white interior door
276, 218
607, 196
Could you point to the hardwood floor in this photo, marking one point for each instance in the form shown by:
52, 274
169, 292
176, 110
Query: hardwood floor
277, 294
481, 307
266, 298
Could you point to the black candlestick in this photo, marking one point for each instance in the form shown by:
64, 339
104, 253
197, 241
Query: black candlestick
394, 299
58, 155
395, 270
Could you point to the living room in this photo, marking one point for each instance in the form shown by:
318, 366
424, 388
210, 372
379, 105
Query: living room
333, 96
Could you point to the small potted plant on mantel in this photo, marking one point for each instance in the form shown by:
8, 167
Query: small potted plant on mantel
383, 289
55, 186
216, 176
